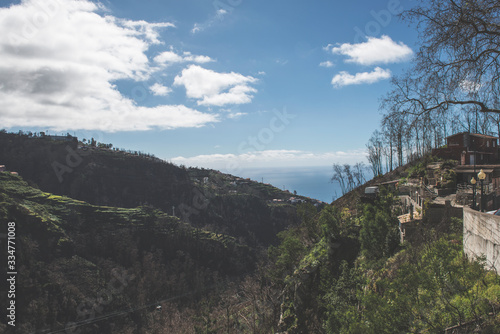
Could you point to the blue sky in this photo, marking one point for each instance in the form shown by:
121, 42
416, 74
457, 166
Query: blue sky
229, 84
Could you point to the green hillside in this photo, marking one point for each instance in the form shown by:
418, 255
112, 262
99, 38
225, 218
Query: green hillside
68, 252
128, 243
102, 176
345, 271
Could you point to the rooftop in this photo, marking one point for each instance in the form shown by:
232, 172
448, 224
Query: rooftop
473, 134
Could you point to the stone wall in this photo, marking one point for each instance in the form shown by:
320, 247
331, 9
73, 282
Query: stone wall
482, 237
435, 213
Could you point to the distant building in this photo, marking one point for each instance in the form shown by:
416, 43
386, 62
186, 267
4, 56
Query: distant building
295, 200
371, 191
469, 149
2, 168
14, 173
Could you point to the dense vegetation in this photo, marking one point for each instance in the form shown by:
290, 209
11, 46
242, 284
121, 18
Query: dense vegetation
352, 276
101, 248
205, 198
79, 261
109, 257
89, 268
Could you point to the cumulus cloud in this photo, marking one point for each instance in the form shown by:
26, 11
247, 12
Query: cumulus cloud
270, 158
211, 88
60, 60
326, 64
381, 50
346, 79
170, 57
160, 90
147, 29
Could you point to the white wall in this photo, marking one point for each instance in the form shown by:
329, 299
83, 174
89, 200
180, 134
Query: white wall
482, 237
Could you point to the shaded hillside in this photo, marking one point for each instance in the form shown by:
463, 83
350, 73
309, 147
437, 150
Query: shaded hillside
78, 262
102, 176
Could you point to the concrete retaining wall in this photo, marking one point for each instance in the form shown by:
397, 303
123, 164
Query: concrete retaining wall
482, 237
435, 213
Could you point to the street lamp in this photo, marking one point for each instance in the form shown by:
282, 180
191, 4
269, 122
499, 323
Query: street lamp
481, 175
473, 182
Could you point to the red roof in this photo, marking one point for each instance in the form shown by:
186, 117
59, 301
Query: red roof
474, 135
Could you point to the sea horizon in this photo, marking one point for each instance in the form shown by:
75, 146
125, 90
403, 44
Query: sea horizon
314, 182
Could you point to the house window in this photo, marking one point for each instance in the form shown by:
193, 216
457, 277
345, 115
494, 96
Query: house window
488, 143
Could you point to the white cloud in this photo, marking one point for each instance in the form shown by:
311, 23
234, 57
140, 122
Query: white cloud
270, 158
160, 90
470, 87
328, 47
60, 60
236, 115
149, 30
345, 79
221, 12
219, 16
196, 59
170, 57
326, 64
381, 50
196, 28
213, 88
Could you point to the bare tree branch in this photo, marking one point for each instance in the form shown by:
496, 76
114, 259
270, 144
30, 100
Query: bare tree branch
458, 63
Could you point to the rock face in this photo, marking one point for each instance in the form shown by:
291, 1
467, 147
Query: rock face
482, 237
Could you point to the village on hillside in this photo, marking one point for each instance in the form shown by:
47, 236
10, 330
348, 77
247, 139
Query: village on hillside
464, 183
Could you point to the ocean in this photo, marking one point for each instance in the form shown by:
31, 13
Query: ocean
312, 182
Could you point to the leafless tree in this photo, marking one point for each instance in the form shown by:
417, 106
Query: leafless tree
458, 63
340, 177
375, 148
359, 171
349, 177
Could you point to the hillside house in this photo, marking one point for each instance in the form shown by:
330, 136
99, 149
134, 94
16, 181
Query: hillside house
470, 149
295, 200
2, 168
